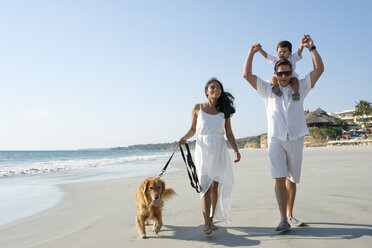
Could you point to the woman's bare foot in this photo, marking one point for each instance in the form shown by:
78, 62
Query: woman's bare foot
208, 229
212, 225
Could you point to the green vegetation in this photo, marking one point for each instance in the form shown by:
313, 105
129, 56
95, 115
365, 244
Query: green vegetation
323, 133
342, 123
159, 146
362, 109
170, 146
241, 142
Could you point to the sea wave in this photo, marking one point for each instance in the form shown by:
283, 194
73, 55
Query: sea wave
40, 167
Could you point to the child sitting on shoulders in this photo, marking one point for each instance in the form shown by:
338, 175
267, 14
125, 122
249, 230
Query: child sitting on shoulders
284, 51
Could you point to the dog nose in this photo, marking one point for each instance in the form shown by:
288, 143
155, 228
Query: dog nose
157, 197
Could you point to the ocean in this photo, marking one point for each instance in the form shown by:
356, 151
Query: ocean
29, 179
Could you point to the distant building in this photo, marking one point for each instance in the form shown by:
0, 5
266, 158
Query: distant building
320, 119
348, 116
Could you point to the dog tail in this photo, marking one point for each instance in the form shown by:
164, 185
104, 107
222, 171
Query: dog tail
168, 193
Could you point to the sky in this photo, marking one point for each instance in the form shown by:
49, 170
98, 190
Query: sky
80, 74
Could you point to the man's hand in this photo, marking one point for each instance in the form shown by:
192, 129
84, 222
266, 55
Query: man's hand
255, 48
306, 41
256, 44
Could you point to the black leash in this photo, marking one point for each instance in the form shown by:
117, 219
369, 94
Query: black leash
190, 166
191, 169
166, 165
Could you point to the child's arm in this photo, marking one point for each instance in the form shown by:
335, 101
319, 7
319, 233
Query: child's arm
300, 50
263, 53
301, 47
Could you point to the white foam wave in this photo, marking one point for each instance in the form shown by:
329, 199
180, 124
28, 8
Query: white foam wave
72, 164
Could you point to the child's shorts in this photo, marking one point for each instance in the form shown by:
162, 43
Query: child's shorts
286, 158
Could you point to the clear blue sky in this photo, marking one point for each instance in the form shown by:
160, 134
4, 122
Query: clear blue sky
96, 74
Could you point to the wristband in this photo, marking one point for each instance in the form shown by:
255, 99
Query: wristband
312, 48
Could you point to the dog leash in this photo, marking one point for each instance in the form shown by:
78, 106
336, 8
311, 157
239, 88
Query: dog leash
166, 165
191, 169
190, 166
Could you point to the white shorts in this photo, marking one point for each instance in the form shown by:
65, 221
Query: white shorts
286, 158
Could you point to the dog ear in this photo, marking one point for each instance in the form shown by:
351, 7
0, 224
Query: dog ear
145, 184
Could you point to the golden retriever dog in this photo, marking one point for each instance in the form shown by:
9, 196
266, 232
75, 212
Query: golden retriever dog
150, 197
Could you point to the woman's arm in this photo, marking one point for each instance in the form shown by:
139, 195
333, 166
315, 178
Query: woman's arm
231, 139
192, 130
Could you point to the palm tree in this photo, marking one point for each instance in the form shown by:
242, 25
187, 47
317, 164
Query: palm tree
363, 109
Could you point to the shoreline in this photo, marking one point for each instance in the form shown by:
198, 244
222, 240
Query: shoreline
25, 201
97, 213
25, 196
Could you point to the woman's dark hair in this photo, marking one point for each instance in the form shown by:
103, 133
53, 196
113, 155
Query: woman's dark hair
225, 103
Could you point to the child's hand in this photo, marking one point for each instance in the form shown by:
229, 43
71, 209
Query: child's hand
255, 48
256, 44
306, 41
303, 39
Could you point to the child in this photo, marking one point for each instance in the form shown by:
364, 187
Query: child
284, 51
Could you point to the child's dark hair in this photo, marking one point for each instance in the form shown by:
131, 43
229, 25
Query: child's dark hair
282, 62
225, 104
285, 43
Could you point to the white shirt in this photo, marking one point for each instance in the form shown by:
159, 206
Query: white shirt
293, 58
285, 117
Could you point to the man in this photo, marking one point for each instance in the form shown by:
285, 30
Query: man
286, 127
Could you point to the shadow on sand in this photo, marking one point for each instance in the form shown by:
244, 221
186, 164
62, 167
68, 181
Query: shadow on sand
248, 236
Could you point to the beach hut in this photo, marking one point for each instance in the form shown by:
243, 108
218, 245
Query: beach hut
320, 119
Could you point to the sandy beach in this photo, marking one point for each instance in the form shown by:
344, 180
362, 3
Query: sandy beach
334, 200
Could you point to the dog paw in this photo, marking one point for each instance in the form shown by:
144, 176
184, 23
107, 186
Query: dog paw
156, 231
142, 236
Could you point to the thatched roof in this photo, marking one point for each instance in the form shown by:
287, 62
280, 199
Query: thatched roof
320, 116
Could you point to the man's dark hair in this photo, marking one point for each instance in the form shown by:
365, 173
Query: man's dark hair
285, 43
282, 62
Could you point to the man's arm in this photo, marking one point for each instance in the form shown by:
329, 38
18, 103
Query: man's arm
317, 60
247, 70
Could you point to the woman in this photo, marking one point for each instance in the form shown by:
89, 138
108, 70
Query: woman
210, 120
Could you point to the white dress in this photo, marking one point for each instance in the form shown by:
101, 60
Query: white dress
212, 161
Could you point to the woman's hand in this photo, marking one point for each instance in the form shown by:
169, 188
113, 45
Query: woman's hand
183, 140
238, 156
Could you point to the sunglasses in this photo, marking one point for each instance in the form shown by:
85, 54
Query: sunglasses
282, 73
